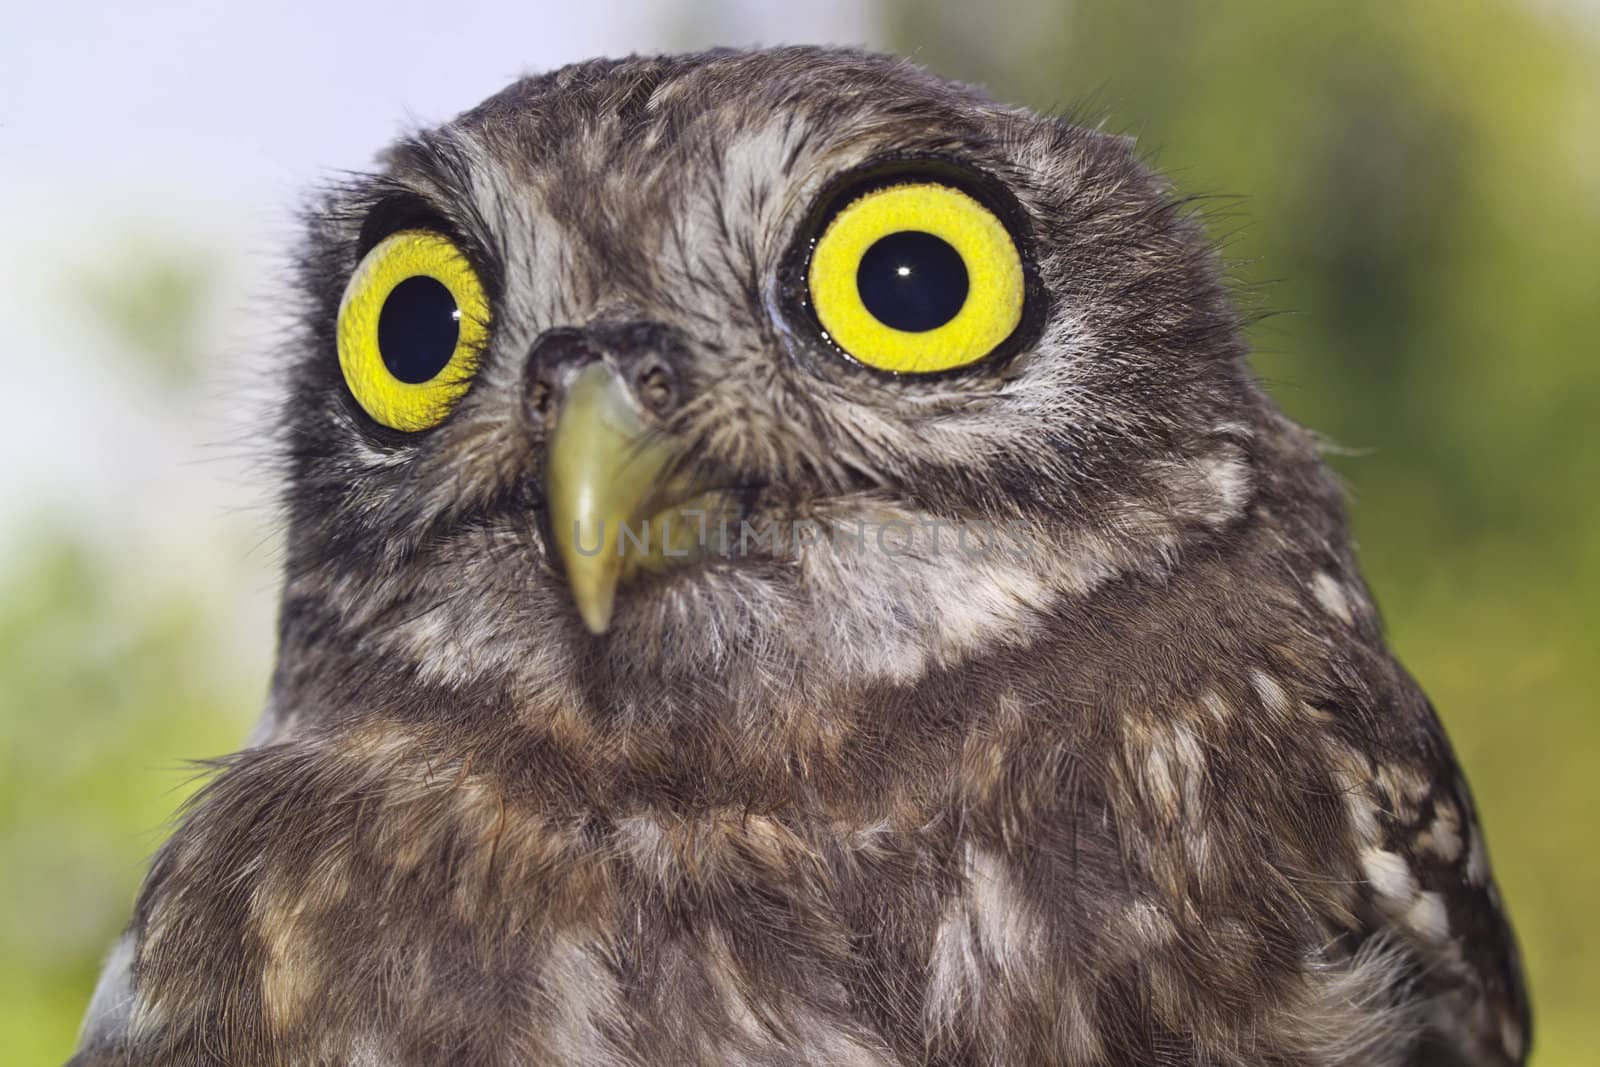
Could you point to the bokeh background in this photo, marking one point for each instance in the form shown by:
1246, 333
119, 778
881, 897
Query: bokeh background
1413, 189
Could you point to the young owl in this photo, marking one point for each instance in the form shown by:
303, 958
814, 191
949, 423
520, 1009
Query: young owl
788, 564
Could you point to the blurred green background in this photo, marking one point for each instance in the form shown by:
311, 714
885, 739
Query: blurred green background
1413, 187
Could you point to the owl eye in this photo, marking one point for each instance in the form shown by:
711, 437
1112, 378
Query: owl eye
411, 326
915, 278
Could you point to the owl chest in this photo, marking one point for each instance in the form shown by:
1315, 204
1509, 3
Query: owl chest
723, 938
754, 940
443, 918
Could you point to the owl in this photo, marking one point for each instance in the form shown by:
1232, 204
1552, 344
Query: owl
787, 563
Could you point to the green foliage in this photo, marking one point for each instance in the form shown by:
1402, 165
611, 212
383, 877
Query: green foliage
1421, 177
151, 296
105, 688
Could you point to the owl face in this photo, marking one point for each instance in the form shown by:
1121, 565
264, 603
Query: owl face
734, 368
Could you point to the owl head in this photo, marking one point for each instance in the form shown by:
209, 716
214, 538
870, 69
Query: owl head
695, 380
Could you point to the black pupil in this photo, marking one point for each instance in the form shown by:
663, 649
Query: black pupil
912, 281
418, 329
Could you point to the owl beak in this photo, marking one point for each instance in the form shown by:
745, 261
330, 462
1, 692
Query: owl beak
614, 485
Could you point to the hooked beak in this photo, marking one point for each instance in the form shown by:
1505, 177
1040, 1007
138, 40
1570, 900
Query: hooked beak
621, 495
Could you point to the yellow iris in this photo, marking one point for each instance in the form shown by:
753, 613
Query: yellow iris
891, 254
412, 324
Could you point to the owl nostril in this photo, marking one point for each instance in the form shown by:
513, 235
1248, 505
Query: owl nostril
653, 386
645, 356
542, 396
540, 409
552, 358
